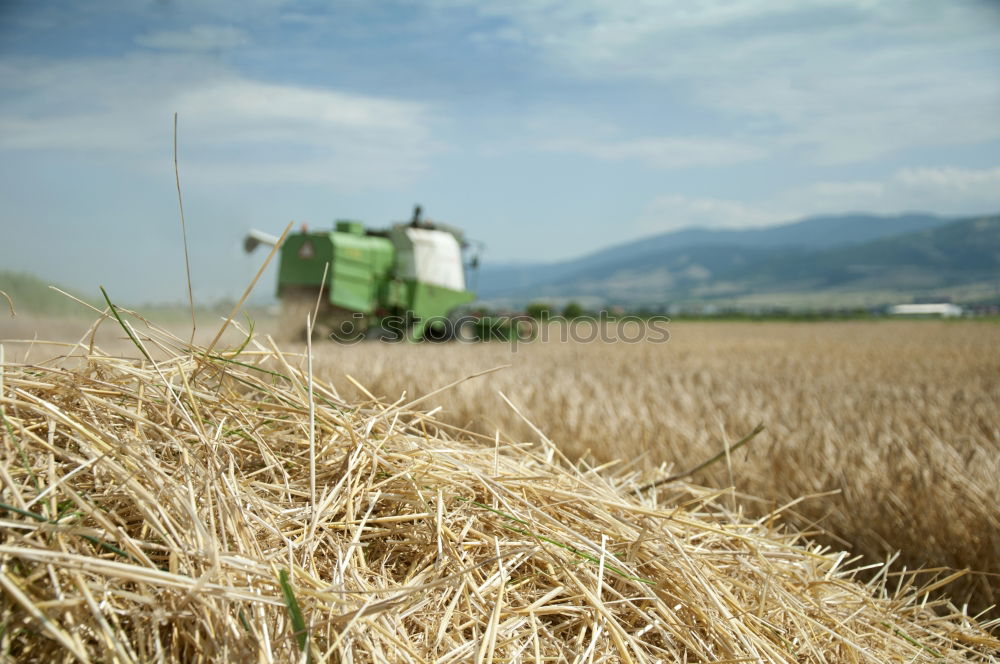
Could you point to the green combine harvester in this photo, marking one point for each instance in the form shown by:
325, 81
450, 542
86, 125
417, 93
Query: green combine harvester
405, 282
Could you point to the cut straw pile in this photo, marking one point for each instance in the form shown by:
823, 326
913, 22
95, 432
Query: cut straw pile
224, 506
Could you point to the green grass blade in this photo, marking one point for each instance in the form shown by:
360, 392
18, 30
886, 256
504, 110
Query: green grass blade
250, 324
298, 623
18, 510
90, 538
229, 360
128, 331
20, 450
243, 621
912, 641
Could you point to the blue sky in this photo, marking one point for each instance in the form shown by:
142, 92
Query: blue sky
545, 129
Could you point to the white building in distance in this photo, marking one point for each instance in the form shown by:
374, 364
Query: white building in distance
942, 309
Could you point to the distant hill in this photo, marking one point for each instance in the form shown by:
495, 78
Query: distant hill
961, 252
33, 295
502, 280
911, 252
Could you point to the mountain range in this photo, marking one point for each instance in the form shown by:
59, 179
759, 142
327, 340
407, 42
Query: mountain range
831, 261
845, 259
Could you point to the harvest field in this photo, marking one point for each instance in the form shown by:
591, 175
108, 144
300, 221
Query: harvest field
207, 510
900, 418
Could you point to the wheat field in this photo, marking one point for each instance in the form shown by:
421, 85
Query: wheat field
892, 427
169, 502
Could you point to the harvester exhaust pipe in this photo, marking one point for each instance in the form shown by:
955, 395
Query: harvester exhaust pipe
256, 238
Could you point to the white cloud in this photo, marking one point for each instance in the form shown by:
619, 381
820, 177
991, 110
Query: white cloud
841, 81
195, 38
661, 152
675, 211
232, 128
946, 191
962, 181
285, 107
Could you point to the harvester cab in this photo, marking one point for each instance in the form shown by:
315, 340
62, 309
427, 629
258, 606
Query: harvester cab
401, 282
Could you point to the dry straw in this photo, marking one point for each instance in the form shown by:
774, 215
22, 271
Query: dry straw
228, 506
899, 418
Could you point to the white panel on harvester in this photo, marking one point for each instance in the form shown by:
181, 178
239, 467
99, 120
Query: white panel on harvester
429, 256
